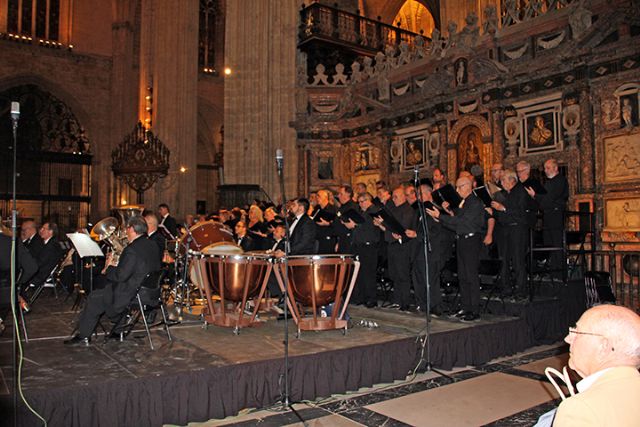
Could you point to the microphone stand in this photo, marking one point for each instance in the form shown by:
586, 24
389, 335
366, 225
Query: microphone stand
184, 286
287, 404
426, 247
14, 262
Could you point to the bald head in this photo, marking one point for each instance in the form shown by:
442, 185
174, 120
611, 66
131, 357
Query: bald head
399, 196
464, 186
606, 336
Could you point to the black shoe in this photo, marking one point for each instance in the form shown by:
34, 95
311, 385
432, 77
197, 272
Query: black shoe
458, 314
405, 308
435, 311
78, 340
371, 304
394, 306
470, 317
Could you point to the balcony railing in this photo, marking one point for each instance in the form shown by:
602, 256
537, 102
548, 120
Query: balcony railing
327, 23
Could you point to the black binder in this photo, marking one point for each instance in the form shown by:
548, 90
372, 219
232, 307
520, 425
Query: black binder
448, 194
389, 221
352, 215
326, 215
483, 194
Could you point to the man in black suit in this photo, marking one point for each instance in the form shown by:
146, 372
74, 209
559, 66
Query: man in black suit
365, 238
468, 222
167, 221
245, 241
51, 252
139, 258
511, 214
553, 205
30, 238
325, 232
399, 249
302, 230
439, 250
153, 233
345, 197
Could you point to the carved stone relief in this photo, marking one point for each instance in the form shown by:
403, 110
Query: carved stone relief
622, 214
622, 158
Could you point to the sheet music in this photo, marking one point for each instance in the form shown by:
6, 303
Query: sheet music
85, 246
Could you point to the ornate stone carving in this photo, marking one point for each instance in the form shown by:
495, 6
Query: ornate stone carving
512, 132
405, 54
610, 112
622, 158
437, 43
622, 214
468, 37
490, 25
517, 52
356, 73
579, 20
550, 43
571, 123
320, 77
395, 153
340, 78
452, 39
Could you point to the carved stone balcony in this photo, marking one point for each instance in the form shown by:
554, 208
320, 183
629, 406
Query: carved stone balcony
326, 25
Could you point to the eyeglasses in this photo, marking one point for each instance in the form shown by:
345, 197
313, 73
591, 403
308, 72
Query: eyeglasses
573, 330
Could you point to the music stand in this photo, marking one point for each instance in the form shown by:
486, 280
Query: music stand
86, 247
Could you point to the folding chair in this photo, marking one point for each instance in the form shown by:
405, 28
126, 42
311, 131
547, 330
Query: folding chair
35, 289
147, 299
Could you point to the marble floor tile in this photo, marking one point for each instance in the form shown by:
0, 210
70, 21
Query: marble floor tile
473, 402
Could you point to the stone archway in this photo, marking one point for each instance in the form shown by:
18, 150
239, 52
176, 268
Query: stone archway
53, 159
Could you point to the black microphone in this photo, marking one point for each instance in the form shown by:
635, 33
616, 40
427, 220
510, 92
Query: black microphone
279, 161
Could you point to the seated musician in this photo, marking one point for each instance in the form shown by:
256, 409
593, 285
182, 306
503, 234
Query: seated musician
139, 258
51, 253
153, 233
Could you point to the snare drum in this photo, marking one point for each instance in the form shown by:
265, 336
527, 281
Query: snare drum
315, 281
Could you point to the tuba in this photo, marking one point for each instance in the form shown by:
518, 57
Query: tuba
112, 230
108, 230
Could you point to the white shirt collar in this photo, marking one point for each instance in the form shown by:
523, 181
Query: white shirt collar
47, 241
587, 382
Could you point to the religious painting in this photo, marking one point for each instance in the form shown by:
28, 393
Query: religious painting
540, 129
622, 158
469, 148
414, 151
325, 168
629, 110
622, 214
362, 159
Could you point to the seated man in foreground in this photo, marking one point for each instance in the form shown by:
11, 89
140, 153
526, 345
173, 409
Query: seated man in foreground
139, 258
605, 351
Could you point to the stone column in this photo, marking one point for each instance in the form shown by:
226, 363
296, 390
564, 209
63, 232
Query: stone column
259, 93
123, 105
175, 99
587, 144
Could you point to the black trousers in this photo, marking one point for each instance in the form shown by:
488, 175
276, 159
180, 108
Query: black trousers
435, 265
467, 252
399, 260
99, 302
512, 246
327, 245
366, 285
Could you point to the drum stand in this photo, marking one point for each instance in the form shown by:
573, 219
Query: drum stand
425, 340
182, 290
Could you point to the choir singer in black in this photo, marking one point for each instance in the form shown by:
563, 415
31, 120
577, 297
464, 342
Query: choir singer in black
468, 222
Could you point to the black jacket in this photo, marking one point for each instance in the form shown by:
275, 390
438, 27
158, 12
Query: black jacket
138, 259
50, 255
471, 218
170, 224
303, 238
26, 264
35, 245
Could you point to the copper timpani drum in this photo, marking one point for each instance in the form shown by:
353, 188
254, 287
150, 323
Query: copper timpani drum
236, 278
315, 281
204, 234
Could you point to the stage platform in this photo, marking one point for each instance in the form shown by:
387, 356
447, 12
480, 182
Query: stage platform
212, 373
